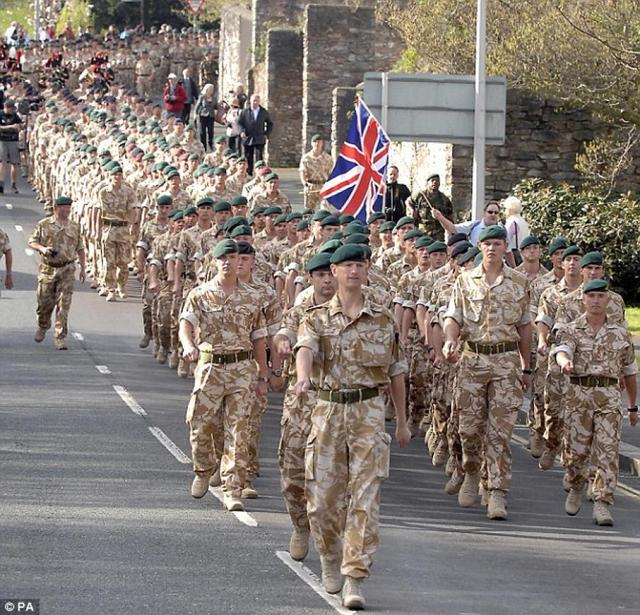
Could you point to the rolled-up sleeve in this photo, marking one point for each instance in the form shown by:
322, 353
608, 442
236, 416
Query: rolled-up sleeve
454, 309
307, 334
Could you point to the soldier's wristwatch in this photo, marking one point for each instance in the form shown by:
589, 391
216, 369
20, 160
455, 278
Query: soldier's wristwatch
632, 409
276, 372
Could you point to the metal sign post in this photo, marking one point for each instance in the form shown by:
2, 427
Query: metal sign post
480, 127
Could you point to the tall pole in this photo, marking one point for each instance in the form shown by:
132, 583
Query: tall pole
142, 14
479, 133
36, 20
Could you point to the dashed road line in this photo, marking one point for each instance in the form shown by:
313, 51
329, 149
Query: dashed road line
169, 444
78, 336
240, 515
8, 205
309, 577
29, 252
19, 228
130, 400
103, 369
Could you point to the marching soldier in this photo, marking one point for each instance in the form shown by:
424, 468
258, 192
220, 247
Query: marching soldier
315, 167
59, 242
420, 205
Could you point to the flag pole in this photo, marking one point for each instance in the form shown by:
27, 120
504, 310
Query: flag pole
479, 132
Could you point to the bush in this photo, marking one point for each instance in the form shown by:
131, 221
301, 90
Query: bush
592, 221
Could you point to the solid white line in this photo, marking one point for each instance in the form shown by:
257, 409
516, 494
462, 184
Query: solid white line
128, 399
240, 515
19, 228
312, 581
29, 252
169, 444
8, 205
103, 369
78, 336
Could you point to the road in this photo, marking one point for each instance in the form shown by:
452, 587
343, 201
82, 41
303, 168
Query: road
97, 517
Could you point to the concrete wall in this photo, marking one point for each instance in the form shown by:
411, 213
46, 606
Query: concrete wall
235, 47
283, 95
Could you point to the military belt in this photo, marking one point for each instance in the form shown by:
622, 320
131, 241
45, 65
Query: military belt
593, 381
224, 359
347, 397
498, 348
58, 265
114, 222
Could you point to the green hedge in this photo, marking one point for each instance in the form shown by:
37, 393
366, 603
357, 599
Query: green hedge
592, 221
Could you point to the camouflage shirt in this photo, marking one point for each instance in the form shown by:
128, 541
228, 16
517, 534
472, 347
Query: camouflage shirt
571, 307
65, 238
116, 203
419, 206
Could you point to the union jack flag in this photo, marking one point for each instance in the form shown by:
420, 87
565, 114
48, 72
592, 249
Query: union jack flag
357, 183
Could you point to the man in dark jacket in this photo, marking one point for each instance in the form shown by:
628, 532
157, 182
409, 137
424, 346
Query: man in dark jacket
191, 90
256, 127
395, 196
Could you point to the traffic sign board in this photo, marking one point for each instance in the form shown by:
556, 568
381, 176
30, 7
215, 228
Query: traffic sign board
195, 5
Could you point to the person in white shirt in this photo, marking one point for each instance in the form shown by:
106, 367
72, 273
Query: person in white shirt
516, 225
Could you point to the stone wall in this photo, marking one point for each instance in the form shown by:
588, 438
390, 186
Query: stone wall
284, 66
235, 47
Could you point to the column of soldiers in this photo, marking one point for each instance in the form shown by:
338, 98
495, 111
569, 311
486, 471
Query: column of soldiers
356, 322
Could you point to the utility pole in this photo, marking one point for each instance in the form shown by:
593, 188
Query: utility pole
142, 14
480, 126
36, 19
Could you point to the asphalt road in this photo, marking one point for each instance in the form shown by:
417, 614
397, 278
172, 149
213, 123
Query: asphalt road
96, 516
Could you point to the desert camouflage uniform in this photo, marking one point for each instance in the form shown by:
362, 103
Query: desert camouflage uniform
260, 199
314, 172
419, 207
347, 454
162, 303
593, 417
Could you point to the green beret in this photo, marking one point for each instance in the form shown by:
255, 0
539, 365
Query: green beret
242, 159
63, 200
339, 235
178, 214
114, 170
477, 260
470, 254
351, 252
239, 230
595, 286
164, 164
571, 251
303, 225
494, 231
281, 219
346, 219
226, 246
375, 217
437, 246
168, 168
220, 139
164, 199
194, 156
294, 216
148, 156
105, 162
424, 242
316, 137
244, 247
239, 200
219, 171
330, 246
92, 149
227, 151
258, 211
433, 175
591, 258
403, 222
531, 240
308, 211
234, 221
92, 160
274, 210
319, 215
414, 233
259, 164
460, 248
211, 172
319, 262
231, 155
558, 243
330, 221
387, 227
189, 211
172, 173
271, 177
222, 206
205, 201
355, 227
357, 238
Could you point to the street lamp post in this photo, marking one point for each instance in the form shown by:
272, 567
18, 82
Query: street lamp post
480, 127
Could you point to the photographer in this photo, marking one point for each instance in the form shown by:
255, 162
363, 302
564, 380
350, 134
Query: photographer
10, 125
174, 96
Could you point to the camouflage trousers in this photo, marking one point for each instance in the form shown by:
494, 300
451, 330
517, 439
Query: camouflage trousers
218, 417
420, 376
116, 254
489, 397
143, 85
55, 288
346, 460
257, 410
442, 392
162, 314
536, 407
294, 433
312, 200
453, 428
554, 404
147, 307
592, 429
176, 307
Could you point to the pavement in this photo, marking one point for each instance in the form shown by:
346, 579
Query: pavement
97, 517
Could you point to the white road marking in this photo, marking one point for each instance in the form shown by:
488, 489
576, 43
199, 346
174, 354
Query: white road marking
78, 336
240, 515
313, 582
169, 444
8, 205
29, 252
103, 369
128, 399
19, 228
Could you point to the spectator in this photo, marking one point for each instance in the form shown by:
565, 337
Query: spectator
191, 91
234, 130
395, 197
173, 96
516, 225
256, 127
68, 31
10, 124
205, 111
240, 95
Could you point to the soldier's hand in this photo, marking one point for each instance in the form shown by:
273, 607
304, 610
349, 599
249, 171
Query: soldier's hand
543, 348
450, 351
8, 281
82, 276
567, 368
633, 419
153, 287
525, 381
191, 354
302, 386
276, 382
403, 435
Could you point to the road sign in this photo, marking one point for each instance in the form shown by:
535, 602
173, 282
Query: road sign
435, 108
195, 5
